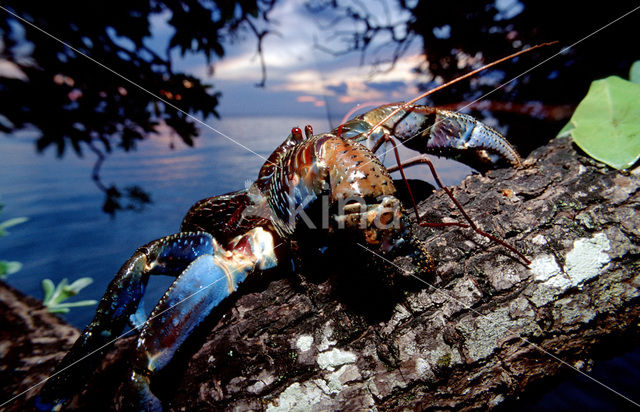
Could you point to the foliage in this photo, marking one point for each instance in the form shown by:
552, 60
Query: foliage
605, 124
75, 103
9, 267
55, 295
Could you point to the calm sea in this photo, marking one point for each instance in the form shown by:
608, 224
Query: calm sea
68, 235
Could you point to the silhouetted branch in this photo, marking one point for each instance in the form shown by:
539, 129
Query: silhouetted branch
137, 197
260, 36
74, 102
457, 38
365, 30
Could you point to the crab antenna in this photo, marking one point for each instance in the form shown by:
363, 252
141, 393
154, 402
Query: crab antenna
456, 80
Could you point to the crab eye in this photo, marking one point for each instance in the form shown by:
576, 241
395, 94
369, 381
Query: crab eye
296, 133
308, 131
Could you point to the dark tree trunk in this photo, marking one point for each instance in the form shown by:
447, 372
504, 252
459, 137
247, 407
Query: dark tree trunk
481, 329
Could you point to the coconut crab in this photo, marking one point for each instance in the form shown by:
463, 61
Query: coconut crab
225, 239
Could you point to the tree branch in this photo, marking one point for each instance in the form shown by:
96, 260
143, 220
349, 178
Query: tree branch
484, 329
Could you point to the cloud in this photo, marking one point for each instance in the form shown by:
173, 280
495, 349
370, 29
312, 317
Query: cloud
294, 64
348, 77
311, 99
386, 86
299, 76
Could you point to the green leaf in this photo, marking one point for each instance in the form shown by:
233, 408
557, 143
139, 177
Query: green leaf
566, 130
634, 73
58, 294
57, 309
8, 268
48, 287
88, 302
55, 295
80, 284
607, 125
64, 307
11, 222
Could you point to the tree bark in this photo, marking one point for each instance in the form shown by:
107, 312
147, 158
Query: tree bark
32, 342
478, 331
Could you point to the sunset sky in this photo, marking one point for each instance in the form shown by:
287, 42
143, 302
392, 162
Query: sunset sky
301, 78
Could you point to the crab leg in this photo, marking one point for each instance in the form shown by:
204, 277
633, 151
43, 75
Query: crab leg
193, 295
166, 256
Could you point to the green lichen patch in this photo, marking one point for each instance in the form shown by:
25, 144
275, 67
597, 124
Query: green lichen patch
444, 361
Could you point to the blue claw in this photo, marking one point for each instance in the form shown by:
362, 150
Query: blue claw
202, 286
199, 289
167, 256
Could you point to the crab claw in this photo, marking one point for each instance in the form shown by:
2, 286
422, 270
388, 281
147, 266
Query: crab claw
167, 256
464, 138
433, 131
202, 286
206, 273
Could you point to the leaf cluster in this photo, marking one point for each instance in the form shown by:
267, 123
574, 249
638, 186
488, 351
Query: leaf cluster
54, 296
75, 102
538, 96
